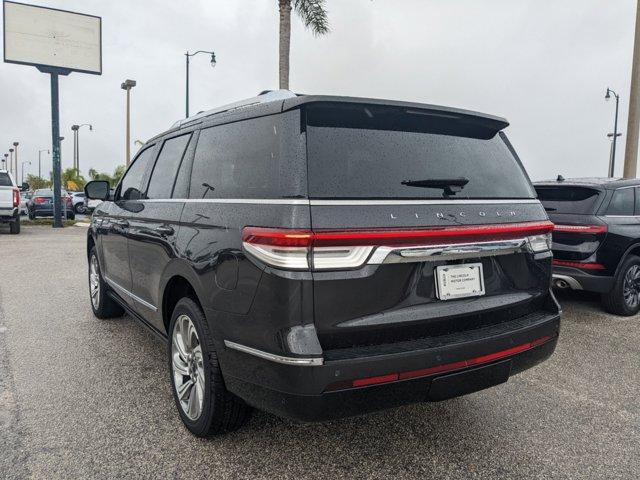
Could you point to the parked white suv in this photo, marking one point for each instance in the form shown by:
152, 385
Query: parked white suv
9, 202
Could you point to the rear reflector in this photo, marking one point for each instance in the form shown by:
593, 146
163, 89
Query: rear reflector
582, 265
338, 249
580, 228
447, 367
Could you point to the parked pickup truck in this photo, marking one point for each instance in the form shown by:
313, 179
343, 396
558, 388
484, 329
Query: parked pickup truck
9, 202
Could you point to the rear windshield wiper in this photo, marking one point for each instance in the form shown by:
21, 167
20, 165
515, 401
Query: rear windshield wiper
450, 185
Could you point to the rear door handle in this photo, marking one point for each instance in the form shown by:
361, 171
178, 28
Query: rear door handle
165, 230
121, 223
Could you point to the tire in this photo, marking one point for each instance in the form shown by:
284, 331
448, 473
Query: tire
78, 208
626, 281
14, 227
71, 215
220, 411
102, 304
32, 215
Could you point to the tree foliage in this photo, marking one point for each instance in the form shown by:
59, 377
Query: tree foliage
313, 14
112, 179
35, 182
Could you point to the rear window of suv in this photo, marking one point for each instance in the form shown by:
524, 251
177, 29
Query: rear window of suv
372, 151
5, 180
569, 199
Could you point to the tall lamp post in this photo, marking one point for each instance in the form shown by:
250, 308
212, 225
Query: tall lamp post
612, 163
4, 161
15, 159
40, 161
187, 56
11, 162
128, 85
76, 144
22, 168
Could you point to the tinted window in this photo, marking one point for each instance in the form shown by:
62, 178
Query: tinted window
5, 180
257, 158
386, 152
166, 167
131, 185
43, 193
567, 199
622, 202
637, 212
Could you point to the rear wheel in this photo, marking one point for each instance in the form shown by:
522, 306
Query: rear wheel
102, 304
624, 297
14, 227
205, 405
32, 215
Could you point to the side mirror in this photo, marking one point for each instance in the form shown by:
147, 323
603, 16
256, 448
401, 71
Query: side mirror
97, 190
24, 187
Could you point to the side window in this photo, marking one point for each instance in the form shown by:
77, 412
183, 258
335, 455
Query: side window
637, 189
166, 167
239, 160
131, 185
622, 202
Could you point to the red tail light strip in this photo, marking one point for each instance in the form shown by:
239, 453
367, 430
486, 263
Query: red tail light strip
580, 228
392, 237
16, 197
581, 265
447, 367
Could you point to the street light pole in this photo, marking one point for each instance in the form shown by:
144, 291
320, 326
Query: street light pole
76, 144
15, 159
22, 166
615, 130
11, 161
40, 161
187, 55
128, 85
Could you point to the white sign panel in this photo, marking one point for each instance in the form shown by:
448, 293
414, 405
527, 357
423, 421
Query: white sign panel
52, 38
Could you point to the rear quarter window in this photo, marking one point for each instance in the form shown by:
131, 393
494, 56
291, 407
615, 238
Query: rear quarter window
569, 199
257, 158
622, 202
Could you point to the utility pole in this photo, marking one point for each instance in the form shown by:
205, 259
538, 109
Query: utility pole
633, 126
11, 160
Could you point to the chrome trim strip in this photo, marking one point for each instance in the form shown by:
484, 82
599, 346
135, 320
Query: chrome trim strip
422, 202
304, 201
302, 362
573, 283
130, 294
434, 253
261, 201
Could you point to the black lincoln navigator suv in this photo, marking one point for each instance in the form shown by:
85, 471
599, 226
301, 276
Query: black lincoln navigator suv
319, 256
596, 238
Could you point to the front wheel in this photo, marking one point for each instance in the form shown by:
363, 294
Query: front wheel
205, 405
102, 304
624, 297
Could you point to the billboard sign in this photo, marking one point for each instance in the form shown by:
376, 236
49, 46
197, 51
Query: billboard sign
47, 37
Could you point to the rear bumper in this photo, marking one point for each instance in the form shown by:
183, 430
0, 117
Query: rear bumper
316, 393
577, 279
8, 214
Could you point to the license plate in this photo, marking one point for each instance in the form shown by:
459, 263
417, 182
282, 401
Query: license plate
459, 281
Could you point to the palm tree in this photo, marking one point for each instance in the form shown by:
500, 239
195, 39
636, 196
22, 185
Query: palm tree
314, 16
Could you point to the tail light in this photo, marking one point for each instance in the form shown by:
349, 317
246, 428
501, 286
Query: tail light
16, 197
342, 249
67, 200
38, 200
580, 228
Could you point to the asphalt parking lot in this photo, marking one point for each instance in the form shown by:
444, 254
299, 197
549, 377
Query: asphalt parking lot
84, 398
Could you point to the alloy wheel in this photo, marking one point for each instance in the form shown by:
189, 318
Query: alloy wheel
94, 282
631, 290
187, 366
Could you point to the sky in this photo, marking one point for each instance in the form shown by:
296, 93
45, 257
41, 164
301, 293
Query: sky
543, 64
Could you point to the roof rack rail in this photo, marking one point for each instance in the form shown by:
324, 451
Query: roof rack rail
266, 96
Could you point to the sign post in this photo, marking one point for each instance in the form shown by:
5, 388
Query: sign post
56, 42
